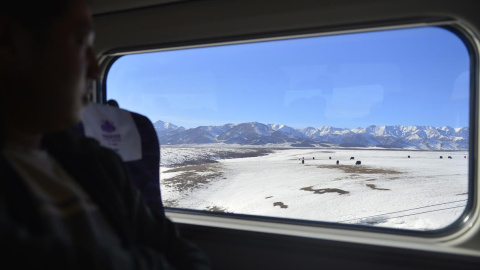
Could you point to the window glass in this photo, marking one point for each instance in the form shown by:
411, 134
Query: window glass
365, 128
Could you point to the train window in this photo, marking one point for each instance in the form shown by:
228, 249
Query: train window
367, 128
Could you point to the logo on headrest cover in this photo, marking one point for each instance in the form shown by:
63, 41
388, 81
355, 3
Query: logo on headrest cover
108, 126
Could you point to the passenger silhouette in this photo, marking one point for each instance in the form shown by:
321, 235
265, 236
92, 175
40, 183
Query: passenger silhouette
65, 201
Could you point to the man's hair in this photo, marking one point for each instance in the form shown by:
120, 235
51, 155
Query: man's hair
35, 15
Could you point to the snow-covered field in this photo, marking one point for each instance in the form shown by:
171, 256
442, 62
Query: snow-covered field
388, 189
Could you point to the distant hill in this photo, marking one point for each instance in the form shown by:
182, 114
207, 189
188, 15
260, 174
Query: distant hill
254, 133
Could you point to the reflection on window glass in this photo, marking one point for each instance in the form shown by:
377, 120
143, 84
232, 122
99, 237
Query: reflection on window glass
364, 128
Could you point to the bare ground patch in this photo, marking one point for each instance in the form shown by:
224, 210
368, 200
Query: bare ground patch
280, 204
170, 203
325, 190
192, 177
195, 161
216, 209
372, 186
362, 169
354, 176
212, 157
383, 178
253, 153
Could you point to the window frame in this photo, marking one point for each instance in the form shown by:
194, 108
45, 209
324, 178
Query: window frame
456, 230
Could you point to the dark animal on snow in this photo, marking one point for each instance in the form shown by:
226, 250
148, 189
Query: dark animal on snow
408, 156
352, 158
338, 162
358, 162
303, 161
329, 157
441, 157
450, 157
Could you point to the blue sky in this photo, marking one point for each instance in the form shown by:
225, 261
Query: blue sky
417, 76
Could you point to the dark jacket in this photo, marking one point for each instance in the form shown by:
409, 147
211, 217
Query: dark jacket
149, 241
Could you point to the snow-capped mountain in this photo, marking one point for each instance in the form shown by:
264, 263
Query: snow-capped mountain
163, 128
217, 130
160, 126
254, 133
287, 131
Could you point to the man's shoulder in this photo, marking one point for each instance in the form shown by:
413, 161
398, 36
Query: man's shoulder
70, 141
89, 163
71, 148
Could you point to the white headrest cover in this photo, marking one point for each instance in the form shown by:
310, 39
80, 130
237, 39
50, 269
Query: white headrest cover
113, 128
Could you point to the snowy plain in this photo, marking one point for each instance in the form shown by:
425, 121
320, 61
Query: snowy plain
388, 189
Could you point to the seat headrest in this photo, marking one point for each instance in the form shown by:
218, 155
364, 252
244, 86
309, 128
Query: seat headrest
113, 128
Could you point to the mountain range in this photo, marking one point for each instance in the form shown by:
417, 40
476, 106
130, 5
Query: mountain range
254, 133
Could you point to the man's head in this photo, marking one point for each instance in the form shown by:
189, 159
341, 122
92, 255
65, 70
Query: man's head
46, 63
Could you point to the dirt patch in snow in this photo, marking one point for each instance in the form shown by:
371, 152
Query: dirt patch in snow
372, 186
170, 203
362, 169
211, 156
216, 209
192, 177
325, 190
280, 204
